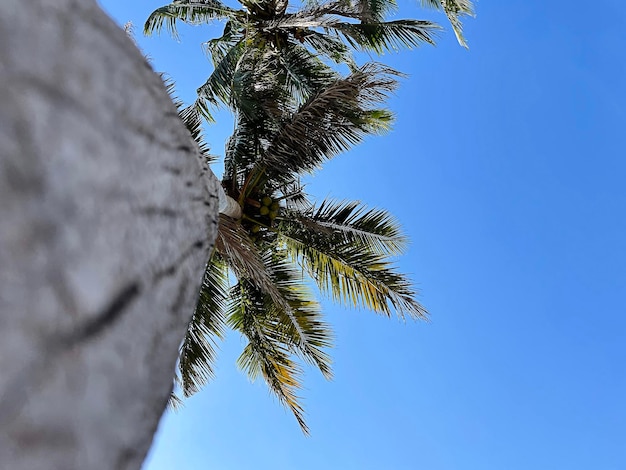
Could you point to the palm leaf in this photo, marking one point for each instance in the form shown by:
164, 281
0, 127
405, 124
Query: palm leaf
388, 36
454, 10
376, 36
198, 351
367, 11
243, 257
218, 48
192, 120
352, 223
375, 10
218, 86
353, 275
300, 324
301, 72
265, 354
254, 92
188, 11
331, 122
241, 149
294, 196
275, 331
329, 46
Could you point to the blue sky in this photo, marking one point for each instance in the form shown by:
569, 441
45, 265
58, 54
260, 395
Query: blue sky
506, 167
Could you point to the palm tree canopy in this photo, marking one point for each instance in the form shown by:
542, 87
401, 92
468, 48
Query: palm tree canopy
295, 44
293, 112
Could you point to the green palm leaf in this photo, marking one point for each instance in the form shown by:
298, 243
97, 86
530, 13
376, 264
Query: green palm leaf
301, 72
188, 11
352, 223
276, 331
388, 36
454, 10
300, 324
376, 36
198, 351
331, 122
218, 48
266, 354
367, 11
217, 88
353, 275
375, 10
192, 120
329, 46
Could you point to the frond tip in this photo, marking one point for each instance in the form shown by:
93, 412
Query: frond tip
454, 10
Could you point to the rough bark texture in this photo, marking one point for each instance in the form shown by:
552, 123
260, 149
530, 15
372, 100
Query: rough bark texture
106, 223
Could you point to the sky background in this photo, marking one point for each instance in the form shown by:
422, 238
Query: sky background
506, 168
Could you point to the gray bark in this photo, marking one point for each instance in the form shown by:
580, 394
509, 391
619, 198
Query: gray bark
106, 222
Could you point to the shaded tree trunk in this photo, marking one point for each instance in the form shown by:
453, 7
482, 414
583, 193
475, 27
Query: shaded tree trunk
106, 223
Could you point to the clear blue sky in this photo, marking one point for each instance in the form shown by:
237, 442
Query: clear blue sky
507, 169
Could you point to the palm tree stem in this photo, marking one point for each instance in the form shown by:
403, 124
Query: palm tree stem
227, 205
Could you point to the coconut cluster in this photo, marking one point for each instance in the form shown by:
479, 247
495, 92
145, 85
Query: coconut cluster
262, 213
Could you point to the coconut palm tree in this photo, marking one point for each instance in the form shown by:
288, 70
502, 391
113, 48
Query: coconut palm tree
276, 238
293, 111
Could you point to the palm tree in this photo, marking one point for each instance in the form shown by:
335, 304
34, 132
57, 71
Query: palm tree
293, 111
277, 235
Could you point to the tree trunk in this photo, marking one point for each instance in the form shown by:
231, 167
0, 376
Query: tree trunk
106, 222
227, 205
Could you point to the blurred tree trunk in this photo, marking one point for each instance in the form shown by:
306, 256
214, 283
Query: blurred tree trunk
106, 223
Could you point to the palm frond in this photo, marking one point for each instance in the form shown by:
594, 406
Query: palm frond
174, 402
388, 36
304, 20
351, 222
170, 87
367, 11
329, 46
300, 325
375, 10
294, 196
198, 350
265, 354
301, 72
218, 48
191, 118
254, 92
243, 257
376, 36
188, 11
276, 331
331, 122
353, 275
454, 10
241, 149
217, 88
